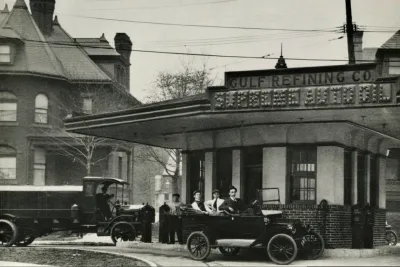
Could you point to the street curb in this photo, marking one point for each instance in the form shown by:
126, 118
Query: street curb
150, 263
72, 243
328, 253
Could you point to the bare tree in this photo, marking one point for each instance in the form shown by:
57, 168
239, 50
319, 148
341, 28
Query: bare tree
85, 99
188, 81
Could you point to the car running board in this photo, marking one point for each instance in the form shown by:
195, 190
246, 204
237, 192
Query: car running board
241, 243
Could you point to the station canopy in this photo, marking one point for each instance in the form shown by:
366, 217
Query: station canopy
351, 95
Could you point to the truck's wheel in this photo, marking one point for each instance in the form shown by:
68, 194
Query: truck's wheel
122, 231
8, 233
26, 241
282, 249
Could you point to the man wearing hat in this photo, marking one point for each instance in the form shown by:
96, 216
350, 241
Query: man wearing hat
213, 205
198, 204
232, 204
175, 223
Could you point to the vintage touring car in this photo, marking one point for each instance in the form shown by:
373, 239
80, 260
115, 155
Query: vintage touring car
28, 212
283, 239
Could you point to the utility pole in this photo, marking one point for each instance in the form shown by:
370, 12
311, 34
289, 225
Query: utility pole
350, 31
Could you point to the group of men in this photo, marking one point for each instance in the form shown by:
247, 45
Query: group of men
215, 206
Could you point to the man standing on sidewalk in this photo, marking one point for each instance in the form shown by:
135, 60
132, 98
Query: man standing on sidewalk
175, 222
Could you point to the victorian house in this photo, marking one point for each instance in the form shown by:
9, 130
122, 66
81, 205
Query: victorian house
45, 76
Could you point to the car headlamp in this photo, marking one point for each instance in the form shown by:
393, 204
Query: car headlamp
266, 220
291, 228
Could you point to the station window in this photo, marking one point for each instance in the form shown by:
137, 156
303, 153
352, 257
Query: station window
196, 162
8, 163
374, 181
223, 171
348, 178
361, 178
302, 174
8, 106
252, 172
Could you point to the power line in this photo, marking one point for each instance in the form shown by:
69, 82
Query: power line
202, 25
160, 7
77, 45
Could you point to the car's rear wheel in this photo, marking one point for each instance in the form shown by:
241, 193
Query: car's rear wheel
198, 246
8, 233
229, 251
391, 238
282, 249
314, 245
122, 231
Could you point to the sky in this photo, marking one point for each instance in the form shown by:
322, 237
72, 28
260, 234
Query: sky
281, 14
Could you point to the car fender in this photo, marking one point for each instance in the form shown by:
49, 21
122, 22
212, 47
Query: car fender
8, 216
270, 231
124, 218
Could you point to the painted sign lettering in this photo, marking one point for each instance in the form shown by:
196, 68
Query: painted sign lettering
305, 79
306, 97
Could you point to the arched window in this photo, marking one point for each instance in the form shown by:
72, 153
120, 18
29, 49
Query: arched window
41, 107
8, 163
8, 106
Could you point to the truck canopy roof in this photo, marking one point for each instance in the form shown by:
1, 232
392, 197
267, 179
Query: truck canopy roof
35, 188
105, 180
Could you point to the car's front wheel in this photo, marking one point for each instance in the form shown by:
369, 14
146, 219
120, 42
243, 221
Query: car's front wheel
282, 249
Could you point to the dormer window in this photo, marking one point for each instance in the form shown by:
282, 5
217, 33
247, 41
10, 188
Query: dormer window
5, 54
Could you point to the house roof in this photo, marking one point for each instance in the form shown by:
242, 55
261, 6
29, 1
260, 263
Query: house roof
36, 56
393, 42
97, 46
76, 62
58, 55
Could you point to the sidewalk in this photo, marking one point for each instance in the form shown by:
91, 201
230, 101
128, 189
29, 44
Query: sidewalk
9, 263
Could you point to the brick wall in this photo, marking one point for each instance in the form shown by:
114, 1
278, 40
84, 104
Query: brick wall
379, 228
393, 218
334, 224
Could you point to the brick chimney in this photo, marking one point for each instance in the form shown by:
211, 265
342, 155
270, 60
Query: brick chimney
358, 45
123, 45
42, 12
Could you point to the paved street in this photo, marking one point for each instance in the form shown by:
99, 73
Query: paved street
173, 258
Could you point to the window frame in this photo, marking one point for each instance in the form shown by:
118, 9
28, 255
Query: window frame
301, 174
39, 110
10, 46
348, 177
11, 153
42, 166
11, 100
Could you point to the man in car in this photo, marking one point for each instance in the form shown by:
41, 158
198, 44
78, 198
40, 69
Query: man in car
198, 204
102, 202
213, 205
232, 204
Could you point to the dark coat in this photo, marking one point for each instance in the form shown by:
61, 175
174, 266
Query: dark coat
236, 205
